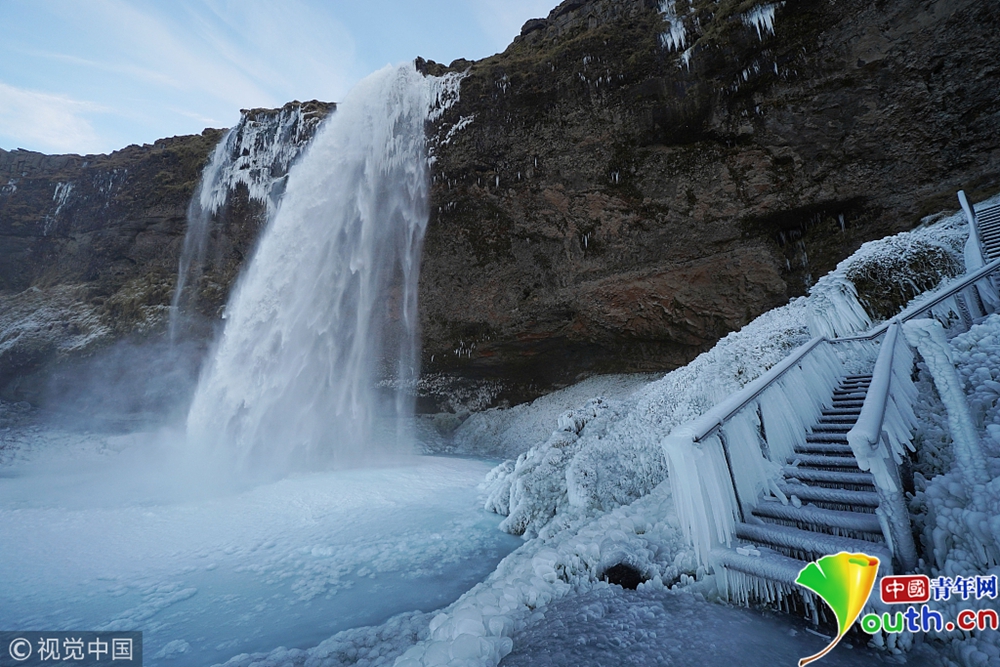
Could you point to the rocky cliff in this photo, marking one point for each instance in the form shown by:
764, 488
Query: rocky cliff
631, 180
627, 182
90, 244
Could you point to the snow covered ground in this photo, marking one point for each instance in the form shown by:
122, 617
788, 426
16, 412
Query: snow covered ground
610, 626
99, 534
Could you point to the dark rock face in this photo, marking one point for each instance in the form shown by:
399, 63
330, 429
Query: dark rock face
629, 181
605, 206
89, 246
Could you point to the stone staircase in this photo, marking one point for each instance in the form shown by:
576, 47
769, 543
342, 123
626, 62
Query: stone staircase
831, 505
988, 221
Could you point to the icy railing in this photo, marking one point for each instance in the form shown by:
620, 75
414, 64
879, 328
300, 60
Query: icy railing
881, 436
974, 256
836, 309
723, 461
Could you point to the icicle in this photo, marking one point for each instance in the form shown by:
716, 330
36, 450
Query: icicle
753, 473
834, 309
702, 491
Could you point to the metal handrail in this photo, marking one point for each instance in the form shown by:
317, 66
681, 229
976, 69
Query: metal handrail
945, 293
871, 420
869, 423
719, 414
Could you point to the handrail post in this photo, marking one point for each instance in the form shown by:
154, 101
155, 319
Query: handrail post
732, 477
974, 256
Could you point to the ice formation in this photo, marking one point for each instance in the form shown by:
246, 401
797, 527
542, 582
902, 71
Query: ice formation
613, 455
928, 337
959, 522
675, 37
761, 17
330, 292
898, 264
699, 473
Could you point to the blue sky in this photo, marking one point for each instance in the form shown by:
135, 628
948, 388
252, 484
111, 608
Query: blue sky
92, 76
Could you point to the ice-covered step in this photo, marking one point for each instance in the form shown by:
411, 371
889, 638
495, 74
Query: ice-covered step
836, 438
831, 428
841, 480
867, 499
837, 412
807, 545
825, 461
838, 419
810, 517
766, 565
829, 448
847, 403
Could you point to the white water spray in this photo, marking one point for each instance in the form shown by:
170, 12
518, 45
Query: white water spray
328, 304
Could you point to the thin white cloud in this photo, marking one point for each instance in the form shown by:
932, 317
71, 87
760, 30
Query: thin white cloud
153, 40
51, 122
298, 51
129, 70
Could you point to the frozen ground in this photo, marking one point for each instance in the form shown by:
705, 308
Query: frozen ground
648, 627
99, 533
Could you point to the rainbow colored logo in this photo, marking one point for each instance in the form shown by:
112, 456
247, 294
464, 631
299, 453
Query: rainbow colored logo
844, 581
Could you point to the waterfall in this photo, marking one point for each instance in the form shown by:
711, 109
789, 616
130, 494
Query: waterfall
199, 216
254, 155
327, 307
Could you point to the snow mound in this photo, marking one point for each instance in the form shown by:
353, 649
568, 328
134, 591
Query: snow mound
477, 629
878, 280
607, 452
508, 432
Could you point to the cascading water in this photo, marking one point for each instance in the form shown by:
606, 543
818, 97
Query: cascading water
199, 215
256, 155
328, 303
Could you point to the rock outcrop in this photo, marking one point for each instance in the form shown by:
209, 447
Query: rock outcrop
629, 181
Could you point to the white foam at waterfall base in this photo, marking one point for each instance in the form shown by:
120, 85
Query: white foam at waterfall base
329, 295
